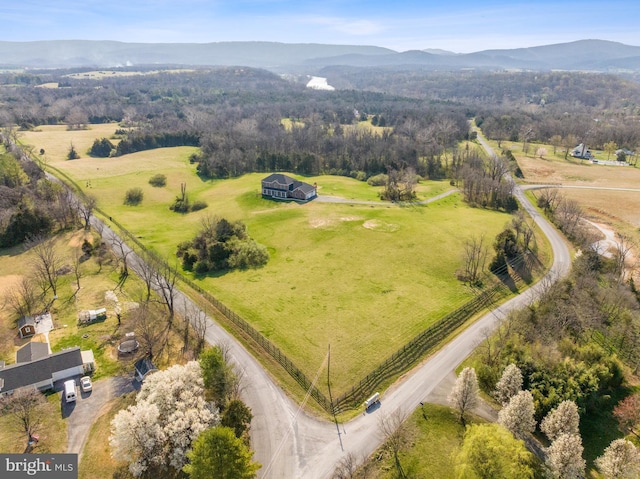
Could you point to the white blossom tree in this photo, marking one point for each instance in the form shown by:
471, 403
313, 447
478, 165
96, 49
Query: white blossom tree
464, 395
517, 415
564, 457
509, 385
562, 420
169, 414
621, 460
137, 437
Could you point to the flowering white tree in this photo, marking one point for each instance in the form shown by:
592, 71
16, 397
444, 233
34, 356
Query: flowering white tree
509, 385
137, 437
621, 460
464, 395
169, 414
564, 457
518, 415
562, 420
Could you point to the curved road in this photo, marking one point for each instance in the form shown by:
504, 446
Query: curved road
291, 444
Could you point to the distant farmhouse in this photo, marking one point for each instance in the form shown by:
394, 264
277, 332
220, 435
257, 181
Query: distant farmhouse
282, 186
581, 151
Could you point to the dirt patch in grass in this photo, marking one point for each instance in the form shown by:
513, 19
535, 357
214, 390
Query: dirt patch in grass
381, 226
7, 283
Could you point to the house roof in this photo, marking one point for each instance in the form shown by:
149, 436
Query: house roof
280, 178
144, 366
32, 352
26, 320
21, 375
304, 187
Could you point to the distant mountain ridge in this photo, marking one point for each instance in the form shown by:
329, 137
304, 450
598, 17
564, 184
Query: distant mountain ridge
592, 55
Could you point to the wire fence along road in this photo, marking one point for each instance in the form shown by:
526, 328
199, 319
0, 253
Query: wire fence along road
292, 444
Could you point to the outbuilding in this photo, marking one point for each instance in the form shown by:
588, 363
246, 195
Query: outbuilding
144, 367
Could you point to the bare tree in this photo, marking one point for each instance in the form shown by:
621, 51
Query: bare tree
397, 435
46, 263
526, 133
347, 467
27, 408
549, 199
23, 299
146, 270
623, 252
568, 215
75, 261
198, 321
122, 252
149, 330
475, 257
166, 278
85, 209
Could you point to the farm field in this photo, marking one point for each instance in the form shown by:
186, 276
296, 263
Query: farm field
619, 208
363, 278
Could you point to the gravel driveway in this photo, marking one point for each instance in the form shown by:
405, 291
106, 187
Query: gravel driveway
82, 413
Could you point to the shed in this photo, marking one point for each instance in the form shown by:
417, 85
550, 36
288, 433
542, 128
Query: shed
144, 367
27, 326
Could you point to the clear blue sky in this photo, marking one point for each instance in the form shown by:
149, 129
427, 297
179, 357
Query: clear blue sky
457, 25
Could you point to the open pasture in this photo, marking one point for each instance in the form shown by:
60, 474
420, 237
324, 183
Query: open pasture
363, 278
55, 140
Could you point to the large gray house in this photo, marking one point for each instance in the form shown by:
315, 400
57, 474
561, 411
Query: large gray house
282, 186
38, 369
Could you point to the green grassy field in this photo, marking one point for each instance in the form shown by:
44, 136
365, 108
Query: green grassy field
363, 278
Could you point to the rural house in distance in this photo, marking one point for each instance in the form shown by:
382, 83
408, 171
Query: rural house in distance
282, 186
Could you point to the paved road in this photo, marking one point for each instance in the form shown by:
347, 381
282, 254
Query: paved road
290, 443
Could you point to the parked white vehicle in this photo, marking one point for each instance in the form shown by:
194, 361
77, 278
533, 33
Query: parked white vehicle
70, 390
85, 384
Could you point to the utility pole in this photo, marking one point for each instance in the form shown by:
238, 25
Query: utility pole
330, 398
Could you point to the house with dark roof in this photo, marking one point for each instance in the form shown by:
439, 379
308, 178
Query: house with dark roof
41, 372
284, 187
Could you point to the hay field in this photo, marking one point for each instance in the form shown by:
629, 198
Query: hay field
617, 208
56, 140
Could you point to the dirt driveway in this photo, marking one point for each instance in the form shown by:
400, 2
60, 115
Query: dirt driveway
82, 413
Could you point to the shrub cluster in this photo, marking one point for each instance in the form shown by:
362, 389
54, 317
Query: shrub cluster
158, 180
221, 245
133, 196
101, 148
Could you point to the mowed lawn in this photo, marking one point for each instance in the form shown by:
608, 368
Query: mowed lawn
363, 278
